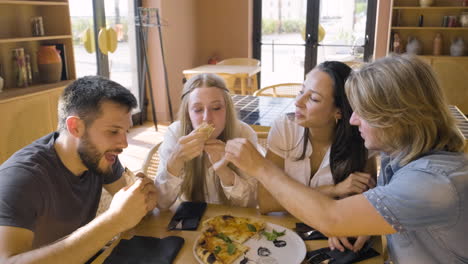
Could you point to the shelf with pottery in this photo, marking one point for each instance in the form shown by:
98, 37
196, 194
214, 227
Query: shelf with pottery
418, 26
432, 28
48, 3
26, 39
430, 8
29, 109
18, 32
35, 89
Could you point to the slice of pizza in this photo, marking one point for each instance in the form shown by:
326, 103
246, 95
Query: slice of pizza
217, 248
239, 229
206, 128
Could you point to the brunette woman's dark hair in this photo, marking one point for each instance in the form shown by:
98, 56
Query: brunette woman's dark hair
348, 153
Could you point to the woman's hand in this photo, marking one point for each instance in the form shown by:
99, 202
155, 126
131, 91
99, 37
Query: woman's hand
215, 150
187, 148
341, 243
357, 182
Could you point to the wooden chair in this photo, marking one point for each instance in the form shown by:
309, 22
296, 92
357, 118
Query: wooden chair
149, 168
252, 83
151, 163
240, 61
229, 79
280, 90
262, 141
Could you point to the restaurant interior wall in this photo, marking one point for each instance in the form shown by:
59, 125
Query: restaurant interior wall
195, 31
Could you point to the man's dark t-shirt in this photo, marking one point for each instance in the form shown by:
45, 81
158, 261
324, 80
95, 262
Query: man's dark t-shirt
39, 193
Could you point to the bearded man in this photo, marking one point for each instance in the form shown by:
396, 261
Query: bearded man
50, 189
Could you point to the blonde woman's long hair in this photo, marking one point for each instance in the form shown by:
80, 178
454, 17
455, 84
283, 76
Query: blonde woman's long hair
193, 185
401, 97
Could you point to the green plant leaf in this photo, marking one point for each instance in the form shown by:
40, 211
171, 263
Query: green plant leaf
231, 248
217, 249
251, 228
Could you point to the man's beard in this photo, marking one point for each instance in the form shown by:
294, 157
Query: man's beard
90, 156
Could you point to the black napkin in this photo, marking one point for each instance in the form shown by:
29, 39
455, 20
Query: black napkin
145, 250
338, 257
189, 214
308, 233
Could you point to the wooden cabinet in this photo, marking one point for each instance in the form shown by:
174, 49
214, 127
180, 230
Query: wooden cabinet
28, 113
452, 71
27, 117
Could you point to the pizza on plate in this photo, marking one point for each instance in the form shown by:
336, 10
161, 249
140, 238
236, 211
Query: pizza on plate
222, 240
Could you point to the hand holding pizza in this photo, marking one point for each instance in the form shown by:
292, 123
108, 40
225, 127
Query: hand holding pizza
131, 203
188, 147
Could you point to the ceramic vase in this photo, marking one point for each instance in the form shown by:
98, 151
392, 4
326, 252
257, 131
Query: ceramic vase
397, 48
464, 19
426, 3
458, 47
49, 64
414, 46
437, 45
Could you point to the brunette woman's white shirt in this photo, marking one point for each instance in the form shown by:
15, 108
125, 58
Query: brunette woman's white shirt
241, 193
285, 139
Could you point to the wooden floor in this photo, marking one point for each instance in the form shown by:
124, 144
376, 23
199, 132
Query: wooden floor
140, 141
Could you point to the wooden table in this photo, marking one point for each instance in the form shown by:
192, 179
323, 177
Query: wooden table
155, 225
243, 72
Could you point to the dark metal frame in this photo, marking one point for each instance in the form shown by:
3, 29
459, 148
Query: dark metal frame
102, 60
312, 23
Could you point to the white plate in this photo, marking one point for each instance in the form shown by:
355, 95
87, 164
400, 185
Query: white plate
293, 253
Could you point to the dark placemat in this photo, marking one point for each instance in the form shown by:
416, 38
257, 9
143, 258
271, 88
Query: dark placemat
146, 250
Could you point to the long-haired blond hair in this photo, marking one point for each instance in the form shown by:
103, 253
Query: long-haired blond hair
401, 97
193, 185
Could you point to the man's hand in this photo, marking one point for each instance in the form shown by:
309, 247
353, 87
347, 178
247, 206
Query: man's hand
131, 203
341, 243
244, 155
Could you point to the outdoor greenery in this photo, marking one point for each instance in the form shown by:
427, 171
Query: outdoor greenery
272, 26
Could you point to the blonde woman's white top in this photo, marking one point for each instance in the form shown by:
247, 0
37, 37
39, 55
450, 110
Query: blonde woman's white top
286, 140
242, 193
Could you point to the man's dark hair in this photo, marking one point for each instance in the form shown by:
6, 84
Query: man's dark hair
84, 97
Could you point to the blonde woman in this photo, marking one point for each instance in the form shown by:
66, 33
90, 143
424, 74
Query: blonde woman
421, 198
187, 155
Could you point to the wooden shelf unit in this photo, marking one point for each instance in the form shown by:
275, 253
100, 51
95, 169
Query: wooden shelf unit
15, 32
29, 113
47, 3
451, 71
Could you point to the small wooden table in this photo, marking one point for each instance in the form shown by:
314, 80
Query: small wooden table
155, 225
243, 72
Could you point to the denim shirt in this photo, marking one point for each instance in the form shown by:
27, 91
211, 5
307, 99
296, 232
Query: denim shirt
426, 202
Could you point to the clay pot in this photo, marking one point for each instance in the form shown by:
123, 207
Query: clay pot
437, 45
426, 3
49, 64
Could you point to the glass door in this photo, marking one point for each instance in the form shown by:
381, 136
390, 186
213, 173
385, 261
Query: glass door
105, 40
282, 41
348, 37
292, 36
